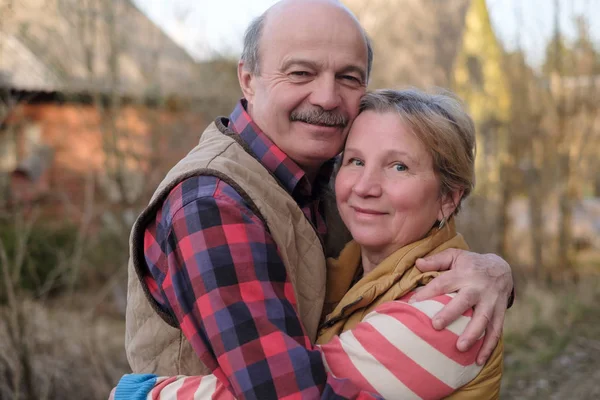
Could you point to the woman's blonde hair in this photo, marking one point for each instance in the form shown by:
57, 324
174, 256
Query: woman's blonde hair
441, 123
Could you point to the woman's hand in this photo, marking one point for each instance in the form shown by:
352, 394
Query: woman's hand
483, 281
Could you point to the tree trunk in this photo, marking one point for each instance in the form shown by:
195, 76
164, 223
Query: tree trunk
506, 195
536, 225
565, 216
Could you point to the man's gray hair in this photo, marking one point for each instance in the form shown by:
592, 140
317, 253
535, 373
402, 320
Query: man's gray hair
250, 52
251, 44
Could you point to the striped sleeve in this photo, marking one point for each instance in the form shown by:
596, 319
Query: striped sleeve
152, 387
396, 353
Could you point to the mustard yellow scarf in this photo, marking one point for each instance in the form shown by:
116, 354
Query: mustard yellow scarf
393, 278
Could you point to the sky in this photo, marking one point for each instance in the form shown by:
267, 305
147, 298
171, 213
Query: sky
206, 28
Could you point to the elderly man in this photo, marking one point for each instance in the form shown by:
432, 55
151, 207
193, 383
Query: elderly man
227, 269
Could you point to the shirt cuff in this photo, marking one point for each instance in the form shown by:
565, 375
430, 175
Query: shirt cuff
135, 386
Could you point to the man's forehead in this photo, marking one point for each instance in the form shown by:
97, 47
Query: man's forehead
306, 36
308, 15
295, 5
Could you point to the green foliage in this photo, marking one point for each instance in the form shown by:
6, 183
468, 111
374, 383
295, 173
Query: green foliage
105, 256
45, 256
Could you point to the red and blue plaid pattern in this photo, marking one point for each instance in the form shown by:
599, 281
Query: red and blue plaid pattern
212, 263
284, 168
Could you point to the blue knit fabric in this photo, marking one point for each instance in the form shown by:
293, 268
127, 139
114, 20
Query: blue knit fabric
135, 386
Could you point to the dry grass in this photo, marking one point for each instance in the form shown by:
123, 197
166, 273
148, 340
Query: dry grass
552, 340
72, 354
75, 353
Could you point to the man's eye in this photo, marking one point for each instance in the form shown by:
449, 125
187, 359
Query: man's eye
300, 73
351, 78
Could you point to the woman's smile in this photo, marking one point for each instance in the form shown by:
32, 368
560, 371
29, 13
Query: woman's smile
367, 212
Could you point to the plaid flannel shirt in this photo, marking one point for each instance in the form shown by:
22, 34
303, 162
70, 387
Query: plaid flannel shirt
212, 263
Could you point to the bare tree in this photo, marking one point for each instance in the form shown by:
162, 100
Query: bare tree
574, 97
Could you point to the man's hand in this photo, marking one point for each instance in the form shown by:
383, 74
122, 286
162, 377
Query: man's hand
483, 281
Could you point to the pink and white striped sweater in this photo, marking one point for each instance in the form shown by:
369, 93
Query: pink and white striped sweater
394, 352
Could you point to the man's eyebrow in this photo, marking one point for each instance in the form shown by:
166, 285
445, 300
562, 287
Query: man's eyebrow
313, 65
299, 62
353, 68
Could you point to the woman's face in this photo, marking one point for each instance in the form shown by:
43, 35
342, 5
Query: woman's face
387, 192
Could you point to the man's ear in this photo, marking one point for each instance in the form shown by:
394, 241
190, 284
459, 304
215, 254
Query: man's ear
449, 203
246, 79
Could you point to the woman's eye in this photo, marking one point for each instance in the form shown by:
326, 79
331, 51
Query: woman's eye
356, 162
400, 167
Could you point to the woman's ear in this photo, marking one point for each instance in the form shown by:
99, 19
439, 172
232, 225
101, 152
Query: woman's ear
246, 80
450, 201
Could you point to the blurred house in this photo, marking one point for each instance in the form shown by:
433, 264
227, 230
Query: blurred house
91, 91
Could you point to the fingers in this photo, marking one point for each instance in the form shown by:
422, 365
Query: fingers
477, 326
492, 335
441, 285
112, 394
438, 262
463, 301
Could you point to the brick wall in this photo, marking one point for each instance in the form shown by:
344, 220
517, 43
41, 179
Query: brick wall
130, 150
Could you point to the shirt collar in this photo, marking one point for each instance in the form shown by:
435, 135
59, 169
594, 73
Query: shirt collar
273, 158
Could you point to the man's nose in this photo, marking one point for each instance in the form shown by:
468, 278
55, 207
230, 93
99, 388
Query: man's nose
368, 184
326, 93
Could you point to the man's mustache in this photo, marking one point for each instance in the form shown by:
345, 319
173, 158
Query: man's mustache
316, 116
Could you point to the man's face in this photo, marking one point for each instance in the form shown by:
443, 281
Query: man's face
313, 66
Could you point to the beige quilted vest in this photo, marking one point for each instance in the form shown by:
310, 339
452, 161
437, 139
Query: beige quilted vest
153, 342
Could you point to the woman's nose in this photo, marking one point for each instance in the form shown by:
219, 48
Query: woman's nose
368, 185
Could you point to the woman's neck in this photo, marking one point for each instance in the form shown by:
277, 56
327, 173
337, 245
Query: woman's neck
372, 258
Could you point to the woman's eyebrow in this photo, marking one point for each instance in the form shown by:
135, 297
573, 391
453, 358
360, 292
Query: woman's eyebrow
401, 153
388, 154
351, 150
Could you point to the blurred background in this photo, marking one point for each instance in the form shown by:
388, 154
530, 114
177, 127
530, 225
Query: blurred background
99, 98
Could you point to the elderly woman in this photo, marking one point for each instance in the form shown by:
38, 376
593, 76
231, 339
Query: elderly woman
407, 165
